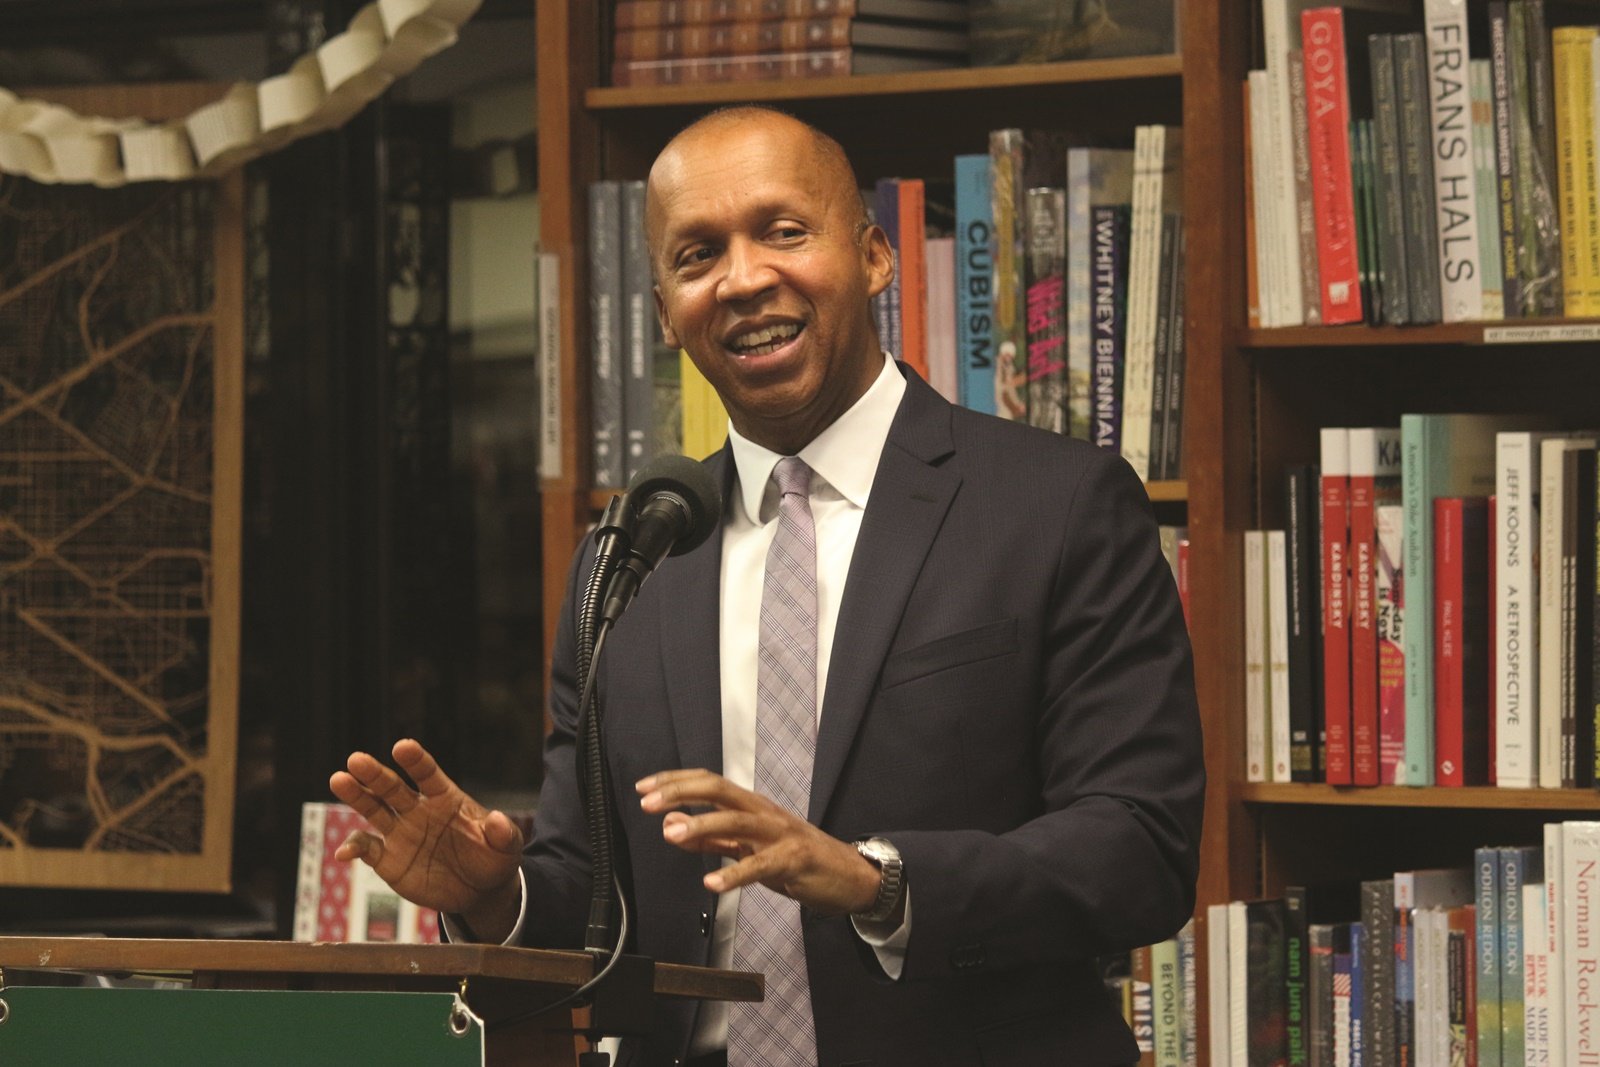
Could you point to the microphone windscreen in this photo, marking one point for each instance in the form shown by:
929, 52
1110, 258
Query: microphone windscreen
689, 479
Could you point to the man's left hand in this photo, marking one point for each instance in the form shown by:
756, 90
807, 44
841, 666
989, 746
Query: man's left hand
772, 846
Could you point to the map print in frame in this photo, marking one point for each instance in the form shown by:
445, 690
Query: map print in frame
121, 411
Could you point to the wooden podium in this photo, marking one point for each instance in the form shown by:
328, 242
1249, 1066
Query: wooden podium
499, 982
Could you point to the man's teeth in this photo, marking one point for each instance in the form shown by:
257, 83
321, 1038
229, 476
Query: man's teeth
770, 339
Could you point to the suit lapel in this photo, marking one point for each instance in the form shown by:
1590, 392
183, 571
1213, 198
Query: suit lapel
690, 641
910, 496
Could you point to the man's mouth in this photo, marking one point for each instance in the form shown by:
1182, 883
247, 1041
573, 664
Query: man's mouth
766, 340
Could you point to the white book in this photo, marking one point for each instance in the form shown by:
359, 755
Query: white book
1278, 652
1151, 147
1269, 278
1424, 993
1580, 918
1535, 978
1257, 696
1548, 687
940, 312
1454, 183
1217, 975
1238, 984
549, 288
1280, 22
1514, 699
1555, 940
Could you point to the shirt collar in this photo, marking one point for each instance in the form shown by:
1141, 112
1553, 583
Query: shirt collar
845, 454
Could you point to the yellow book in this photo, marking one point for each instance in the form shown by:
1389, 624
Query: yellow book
705, 420
1574, 108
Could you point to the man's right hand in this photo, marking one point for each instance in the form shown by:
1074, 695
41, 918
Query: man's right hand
434, 845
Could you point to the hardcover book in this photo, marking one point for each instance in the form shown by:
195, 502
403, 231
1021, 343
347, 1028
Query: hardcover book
1390, 585
631, 14
639, 329
1045, 277
1157, 195
1335, 521
1094, 176
1110, 321
1461, 640
1454, 184
975, 283
606, 325
1302, 488
1519, 868
1390, 180
1339, 292
1009, 199
1417, 180
1374, 482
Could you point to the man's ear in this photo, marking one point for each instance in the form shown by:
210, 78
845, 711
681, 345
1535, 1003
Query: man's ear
668, 334
879, 255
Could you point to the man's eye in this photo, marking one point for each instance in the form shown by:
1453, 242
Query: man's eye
788, 233
702, 254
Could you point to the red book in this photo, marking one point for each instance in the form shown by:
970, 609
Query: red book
1333, 195
1460, 641
1374, 480
1183, 577
1335, 605
913, 276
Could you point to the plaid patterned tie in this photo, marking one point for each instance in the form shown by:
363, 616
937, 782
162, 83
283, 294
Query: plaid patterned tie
778, 1032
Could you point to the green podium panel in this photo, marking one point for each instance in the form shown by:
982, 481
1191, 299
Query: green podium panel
56, 1027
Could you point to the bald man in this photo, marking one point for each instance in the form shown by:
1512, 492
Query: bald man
986, 727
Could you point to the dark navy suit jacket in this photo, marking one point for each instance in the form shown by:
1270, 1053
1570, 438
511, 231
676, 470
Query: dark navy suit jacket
1010, 701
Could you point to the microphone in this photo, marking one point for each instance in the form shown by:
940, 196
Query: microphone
676, 505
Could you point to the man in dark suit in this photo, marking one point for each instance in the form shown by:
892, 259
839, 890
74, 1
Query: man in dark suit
991, 769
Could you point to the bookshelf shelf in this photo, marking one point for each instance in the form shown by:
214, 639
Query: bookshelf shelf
1171, 492
953, 80
1483, 798
1519, 331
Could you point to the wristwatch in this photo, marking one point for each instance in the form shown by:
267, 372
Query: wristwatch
891, 878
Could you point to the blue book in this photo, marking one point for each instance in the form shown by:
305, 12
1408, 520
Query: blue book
1518, 867
1440, 455
975, 283
888, 211
1486, 899
1110, 287
1358, 996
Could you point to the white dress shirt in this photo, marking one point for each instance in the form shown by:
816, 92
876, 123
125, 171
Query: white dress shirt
843, 459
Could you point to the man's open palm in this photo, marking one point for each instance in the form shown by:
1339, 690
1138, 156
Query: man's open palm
434, 845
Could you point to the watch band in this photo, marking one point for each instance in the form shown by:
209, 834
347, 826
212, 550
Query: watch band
891, 877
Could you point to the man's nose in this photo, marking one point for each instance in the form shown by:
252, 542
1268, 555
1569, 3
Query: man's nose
749, 272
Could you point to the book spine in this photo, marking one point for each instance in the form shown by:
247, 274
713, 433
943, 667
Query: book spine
1536, 143
975, 282
939, 323
1303, 152
1335, 604
913, 275
1110, 318
1518, 867
1359, 1053
887, 201
1188, 973
1009, 209
1296, 970
1580, 904
1405, 984
308, 879
1416, 460
1377, 934
1219, 1012
1256, 313
638, 332
1080, 317
1045, 277
1473, 648
1555, 879
1535, 978
1448, 580
606, 319
1486, 899
1583, 614
1319, 1050
1266, 1000
1167, 991
1305, 659
1142, 1016
1374, 458
1460, 985
1278, 653
1143, 276
1342, 957
1516, 697
1390, 563
1389, 175
1368, 250
1417, 179
1257, 692
1454, 188
1487, 202
1327, 87
634, 14
1171, 226
549, 289
1505, 171
1172, 466
1569, 83
1277, 42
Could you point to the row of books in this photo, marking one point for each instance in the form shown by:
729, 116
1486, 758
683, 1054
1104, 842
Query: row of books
1043, 284
669, 42
1393, 178
1155, 987
1428, 615
1491, 964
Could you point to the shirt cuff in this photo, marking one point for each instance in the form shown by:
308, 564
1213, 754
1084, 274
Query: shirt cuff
451, 927
888, 945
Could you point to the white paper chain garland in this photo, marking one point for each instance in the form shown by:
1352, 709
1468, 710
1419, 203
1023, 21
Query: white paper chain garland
386, 40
